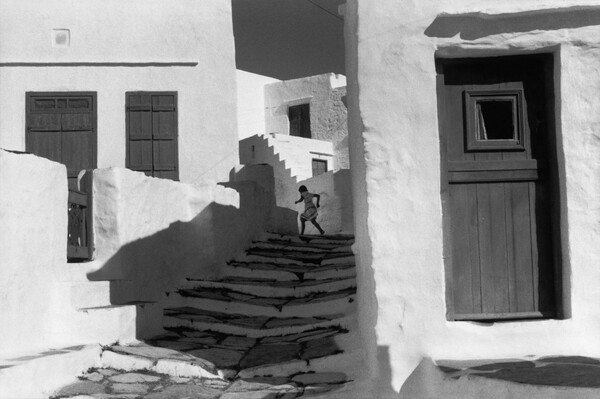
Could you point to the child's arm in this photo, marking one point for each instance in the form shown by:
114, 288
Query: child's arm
318, 197
297, 202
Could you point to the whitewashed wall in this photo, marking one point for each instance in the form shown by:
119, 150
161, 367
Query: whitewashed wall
149, 234
251, 103
33, 238
328, 114
112, 47
396, 175
157, 232
335, 212
291, 157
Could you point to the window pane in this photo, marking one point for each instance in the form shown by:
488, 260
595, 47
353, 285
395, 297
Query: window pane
495, 120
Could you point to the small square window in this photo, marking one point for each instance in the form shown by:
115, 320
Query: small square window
319, 166
61, 37
494, 120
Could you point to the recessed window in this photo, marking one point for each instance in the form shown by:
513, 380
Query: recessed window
299, 116
152, 133
494, 120
61, 37
319, 166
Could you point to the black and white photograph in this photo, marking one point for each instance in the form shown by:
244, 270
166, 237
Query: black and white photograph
281, 199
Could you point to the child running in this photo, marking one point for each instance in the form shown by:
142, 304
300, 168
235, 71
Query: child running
310, 210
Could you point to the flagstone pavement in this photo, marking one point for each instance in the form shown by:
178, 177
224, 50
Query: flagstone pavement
114, 384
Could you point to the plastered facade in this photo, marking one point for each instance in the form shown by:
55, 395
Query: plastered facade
149, 234
328, 114
395, 141
183, 46
296, 153
251, 103
291, 158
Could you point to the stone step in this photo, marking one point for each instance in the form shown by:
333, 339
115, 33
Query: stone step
172, 362
304, 243
230, 301
247, 325
232, 354
326, 364
283, 259
292, 247
269, 287
283, 272
299, 256
339, 239
98, 382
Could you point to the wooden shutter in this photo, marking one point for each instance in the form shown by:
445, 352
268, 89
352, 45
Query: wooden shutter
152, 134
139, 124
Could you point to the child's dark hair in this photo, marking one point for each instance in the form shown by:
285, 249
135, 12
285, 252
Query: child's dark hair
302, 189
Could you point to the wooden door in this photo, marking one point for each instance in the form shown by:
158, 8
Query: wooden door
152, 133
62, 128
495, 125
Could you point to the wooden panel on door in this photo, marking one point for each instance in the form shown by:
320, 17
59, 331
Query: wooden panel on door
497, 225
45, 144
44, 122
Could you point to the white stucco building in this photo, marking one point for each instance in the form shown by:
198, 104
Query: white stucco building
144, 88
304, 135
305, 122
473, 137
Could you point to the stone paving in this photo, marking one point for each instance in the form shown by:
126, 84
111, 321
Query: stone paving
562, 371
228, 295
114, 384
241, 336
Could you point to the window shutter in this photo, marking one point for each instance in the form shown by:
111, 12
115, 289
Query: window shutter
152, 134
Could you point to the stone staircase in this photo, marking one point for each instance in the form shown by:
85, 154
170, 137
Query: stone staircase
284, 310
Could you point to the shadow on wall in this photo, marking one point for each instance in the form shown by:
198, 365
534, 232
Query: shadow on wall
152, 264
148, 268
274, 177
473, 26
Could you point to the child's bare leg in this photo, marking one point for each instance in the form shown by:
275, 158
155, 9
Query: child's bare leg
303, 226
314, 222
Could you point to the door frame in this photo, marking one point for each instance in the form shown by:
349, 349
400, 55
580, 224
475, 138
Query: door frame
547, 60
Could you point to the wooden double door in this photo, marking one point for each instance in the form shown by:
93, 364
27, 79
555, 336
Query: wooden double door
498, 187
61, 126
